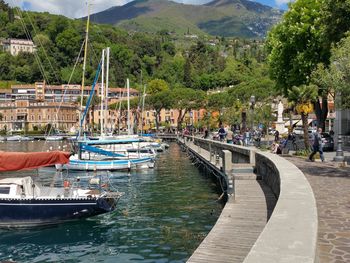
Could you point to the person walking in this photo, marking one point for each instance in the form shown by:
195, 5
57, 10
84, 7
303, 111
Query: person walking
222, 133
277, 136
246, 137
317, 145
206, 133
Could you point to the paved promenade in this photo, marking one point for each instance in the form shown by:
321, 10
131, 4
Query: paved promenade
242, 220
331, 186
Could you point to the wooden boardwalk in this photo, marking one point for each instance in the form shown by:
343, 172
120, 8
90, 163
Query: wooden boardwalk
242, 219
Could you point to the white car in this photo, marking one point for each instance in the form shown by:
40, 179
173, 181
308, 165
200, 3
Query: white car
298, 130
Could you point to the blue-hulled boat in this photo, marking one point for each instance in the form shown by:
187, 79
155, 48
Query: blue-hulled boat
25, 203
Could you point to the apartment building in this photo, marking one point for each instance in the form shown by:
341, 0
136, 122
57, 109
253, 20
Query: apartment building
15, 46
22, 115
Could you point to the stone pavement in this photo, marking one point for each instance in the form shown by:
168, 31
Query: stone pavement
331, 187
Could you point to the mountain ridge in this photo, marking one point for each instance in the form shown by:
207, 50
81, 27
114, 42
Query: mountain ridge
233, 18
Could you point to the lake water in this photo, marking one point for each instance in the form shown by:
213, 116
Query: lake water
163, 216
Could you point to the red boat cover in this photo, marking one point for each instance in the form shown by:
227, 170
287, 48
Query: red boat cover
14, 161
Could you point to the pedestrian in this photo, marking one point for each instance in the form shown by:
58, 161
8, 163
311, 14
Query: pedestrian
222, 133
206, 133
317, 145
277, 136
274, 147
246, 137
229, 136
258, 138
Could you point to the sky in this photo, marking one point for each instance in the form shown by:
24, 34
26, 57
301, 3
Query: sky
77, 8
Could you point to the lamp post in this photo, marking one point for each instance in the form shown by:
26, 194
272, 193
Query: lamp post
339, 157
252, 104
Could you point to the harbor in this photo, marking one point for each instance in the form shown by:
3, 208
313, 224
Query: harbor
163, 215
198, 131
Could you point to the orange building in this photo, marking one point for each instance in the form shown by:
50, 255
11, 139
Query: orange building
31, 115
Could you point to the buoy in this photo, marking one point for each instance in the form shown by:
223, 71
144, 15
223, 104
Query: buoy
94, 181
66, 184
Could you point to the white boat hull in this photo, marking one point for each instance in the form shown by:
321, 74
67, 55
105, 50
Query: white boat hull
94, 165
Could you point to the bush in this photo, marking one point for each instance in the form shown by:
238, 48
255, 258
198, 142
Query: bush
303, 152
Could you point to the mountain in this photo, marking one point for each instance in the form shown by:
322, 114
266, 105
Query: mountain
242, 18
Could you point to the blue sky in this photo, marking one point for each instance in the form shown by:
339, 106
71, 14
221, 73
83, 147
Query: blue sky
77, 8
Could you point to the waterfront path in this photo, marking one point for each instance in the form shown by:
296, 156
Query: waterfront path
331, 187
242, 220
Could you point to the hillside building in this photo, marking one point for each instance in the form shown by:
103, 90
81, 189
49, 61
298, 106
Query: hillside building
15, 46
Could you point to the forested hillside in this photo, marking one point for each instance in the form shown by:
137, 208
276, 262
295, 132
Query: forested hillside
234, 18
200, 63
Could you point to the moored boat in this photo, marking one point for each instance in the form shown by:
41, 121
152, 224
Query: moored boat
111, 164
25, 203
18, 138
54, 138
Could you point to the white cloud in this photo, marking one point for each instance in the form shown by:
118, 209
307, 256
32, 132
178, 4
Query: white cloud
68, 8
283, 2
76, 8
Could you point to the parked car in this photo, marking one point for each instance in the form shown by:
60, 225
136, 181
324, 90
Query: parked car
327, 141
298, 130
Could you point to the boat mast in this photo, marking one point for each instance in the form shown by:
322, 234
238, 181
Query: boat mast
102, 93
143, 107
84, 67
107, 85
128, 112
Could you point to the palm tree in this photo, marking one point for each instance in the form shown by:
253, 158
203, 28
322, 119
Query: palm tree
302, 97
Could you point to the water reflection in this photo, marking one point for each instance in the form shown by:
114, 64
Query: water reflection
163, 216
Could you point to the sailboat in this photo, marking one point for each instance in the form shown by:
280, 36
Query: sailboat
25, 203
101, 159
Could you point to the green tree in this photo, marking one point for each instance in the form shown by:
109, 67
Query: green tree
158, 101
188, 73
296, 46
185, 100
157, 85
337, 76
335, 18
69, 42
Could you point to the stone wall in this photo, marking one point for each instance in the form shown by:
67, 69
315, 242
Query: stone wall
291, 233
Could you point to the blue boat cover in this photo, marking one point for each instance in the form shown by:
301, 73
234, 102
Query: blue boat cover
102, 142
89, 148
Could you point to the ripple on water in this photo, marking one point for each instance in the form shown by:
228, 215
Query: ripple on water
163, 216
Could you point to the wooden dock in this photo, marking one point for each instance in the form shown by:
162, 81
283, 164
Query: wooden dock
243, 218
